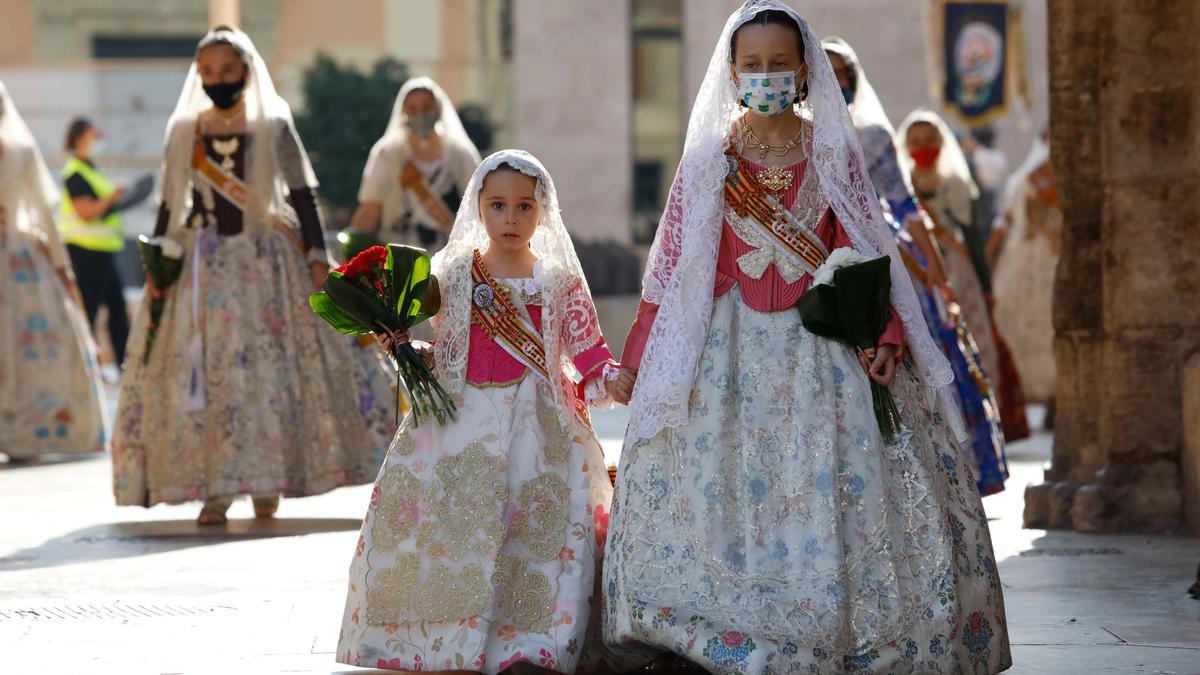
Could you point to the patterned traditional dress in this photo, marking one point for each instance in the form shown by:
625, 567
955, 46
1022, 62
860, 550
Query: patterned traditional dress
775, 532
50, 394
972, 382
483, 540
245, 390
1024, 279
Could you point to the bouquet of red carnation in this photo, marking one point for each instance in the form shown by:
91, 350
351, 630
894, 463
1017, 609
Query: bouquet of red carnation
354, 242
389, 290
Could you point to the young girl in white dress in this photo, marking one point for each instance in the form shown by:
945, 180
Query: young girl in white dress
761, 523
484, 536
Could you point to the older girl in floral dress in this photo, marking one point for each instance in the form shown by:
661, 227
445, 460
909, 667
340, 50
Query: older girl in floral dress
761, 522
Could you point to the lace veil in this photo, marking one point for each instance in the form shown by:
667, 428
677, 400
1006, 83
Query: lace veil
569, 324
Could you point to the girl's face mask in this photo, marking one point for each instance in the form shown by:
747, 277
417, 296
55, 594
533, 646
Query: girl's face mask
767, 94
926, 156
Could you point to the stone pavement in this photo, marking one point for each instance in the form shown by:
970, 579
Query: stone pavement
88, 587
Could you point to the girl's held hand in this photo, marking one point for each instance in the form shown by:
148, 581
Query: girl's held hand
391, 340
152, 291
880, 365
621, 389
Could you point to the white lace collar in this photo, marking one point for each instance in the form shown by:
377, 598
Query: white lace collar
526, 286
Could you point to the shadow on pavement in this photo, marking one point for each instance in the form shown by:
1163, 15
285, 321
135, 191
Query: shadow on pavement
48, 460
126, 540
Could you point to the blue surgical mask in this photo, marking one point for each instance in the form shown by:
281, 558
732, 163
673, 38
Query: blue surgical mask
848, 94
767, 94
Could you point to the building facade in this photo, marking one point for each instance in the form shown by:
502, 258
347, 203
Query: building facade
601, 91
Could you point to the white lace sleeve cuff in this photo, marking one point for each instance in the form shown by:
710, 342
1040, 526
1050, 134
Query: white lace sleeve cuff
595, 393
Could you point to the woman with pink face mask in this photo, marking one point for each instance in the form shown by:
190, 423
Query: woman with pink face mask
943, 185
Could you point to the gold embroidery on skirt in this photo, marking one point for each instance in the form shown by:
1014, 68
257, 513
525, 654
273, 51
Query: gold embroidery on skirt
558, 443
468, 516
396, 507
446, 596
405, 444
388, 594
524, 595
544, 500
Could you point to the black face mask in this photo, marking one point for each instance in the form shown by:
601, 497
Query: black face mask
225, 95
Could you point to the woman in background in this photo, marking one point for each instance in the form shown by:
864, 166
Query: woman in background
50, 393
416, 173
245, 390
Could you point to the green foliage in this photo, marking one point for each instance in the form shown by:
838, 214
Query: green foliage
346, 111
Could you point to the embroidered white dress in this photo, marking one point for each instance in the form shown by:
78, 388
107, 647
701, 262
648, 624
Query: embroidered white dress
482, 544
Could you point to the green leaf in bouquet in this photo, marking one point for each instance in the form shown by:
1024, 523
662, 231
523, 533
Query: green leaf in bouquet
357, 303
324, 306
819, 312
410, 269
430, 303
863, 300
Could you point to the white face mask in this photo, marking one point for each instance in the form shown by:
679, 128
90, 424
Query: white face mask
768, 94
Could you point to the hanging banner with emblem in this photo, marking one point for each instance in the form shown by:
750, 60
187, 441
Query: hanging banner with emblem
979, 57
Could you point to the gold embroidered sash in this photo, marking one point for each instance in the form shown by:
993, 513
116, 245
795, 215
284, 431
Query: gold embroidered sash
495, 313
235, 191
412, 180
750, 200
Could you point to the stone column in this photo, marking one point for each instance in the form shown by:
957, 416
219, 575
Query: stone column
1125, 133
225, 13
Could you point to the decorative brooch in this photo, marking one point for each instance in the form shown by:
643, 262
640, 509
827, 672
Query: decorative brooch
776, 178
483, 296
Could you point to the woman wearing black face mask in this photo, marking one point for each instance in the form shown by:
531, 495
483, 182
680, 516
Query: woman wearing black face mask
243, 390
417, 171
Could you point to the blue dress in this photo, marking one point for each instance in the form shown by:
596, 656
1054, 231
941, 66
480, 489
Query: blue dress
972, 384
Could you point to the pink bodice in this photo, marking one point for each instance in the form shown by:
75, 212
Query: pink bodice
769, 292
488, 363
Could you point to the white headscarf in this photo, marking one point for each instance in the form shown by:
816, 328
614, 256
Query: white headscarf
682, 263
951, 161
449, 126
267, 116
1039, 154
569, 324
866, 109
391, 151
37, 191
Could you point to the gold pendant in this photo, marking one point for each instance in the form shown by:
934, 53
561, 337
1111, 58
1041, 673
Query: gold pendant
226, 149
776, 178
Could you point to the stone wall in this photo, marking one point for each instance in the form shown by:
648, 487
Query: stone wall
1125, 116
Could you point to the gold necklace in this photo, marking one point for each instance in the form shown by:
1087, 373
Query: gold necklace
228, 118
752, 142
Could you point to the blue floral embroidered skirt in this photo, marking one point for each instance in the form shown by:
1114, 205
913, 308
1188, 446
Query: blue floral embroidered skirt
777, 533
